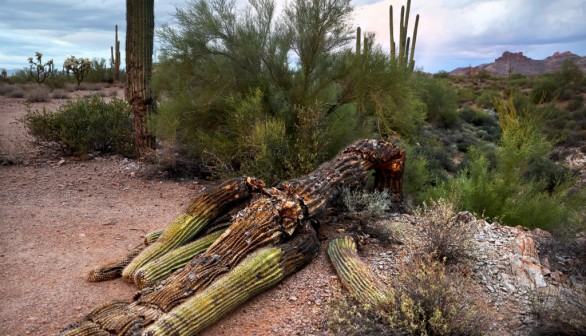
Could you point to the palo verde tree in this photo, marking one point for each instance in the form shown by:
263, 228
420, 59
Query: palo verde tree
38, 70
140, 22
79, 66
251, 91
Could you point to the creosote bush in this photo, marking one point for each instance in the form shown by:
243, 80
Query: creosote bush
368, 205
422, 300
451, 239
84, 125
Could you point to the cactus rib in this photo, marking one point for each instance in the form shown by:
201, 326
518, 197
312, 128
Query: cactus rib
160, 268
354, 274
258, 272
203, 210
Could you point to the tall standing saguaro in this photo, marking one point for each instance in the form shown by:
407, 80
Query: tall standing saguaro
115, 54
140, 23
405, 57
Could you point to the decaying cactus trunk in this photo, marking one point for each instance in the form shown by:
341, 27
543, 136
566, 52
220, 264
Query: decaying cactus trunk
269, 237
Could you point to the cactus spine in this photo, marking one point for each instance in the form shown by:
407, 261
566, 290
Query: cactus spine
115, 57
406, 52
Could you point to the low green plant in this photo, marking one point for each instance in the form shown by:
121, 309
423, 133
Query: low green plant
84, 125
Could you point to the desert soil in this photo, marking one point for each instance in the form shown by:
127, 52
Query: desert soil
61, 216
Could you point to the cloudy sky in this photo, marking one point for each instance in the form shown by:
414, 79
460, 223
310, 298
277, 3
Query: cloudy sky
452, 33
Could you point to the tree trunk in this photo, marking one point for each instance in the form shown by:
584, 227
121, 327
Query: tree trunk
268, 239
140, 23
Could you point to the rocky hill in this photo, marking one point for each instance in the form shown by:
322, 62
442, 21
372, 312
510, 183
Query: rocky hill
521, 64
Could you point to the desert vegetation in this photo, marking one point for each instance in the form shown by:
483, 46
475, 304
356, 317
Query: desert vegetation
228, 99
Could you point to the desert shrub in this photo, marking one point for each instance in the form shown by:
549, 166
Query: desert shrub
576, 103
502, 192
442, 74
451, 239
441, 101
423, 300
84, 125
561, 314
465, 95
16, 93
545, 89
474, 116
5, 89
487, 99
37, 94
368, 205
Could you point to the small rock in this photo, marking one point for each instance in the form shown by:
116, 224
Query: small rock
293, 298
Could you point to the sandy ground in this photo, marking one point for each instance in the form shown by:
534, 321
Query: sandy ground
59, 217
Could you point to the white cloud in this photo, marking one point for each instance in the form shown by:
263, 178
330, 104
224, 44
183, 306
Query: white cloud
451, 33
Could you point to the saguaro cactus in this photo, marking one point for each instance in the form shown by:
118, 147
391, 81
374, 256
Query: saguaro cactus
268, 239
37, 70
115, 57
140, 23
405, 57
79, 66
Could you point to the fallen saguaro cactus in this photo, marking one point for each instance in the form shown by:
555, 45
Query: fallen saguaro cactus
268, 238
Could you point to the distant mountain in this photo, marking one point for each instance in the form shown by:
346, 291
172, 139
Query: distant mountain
521, 64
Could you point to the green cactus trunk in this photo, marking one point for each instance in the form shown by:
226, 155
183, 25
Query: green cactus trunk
208, 206
354, 274
140, 23
161, 268
257, 273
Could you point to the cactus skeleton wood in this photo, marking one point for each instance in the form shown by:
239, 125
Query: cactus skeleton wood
269, 238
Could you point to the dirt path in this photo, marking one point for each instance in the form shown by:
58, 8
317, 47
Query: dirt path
58, 219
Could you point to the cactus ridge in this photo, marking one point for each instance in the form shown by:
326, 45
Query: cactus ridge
160, 268
259, 271
354, 274
203, 210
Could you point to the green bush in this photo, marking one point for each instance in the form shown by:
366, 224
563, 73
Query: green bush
546, 89
487, 99
474, 116
503, 192
465, 95
441, 101
84, 125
